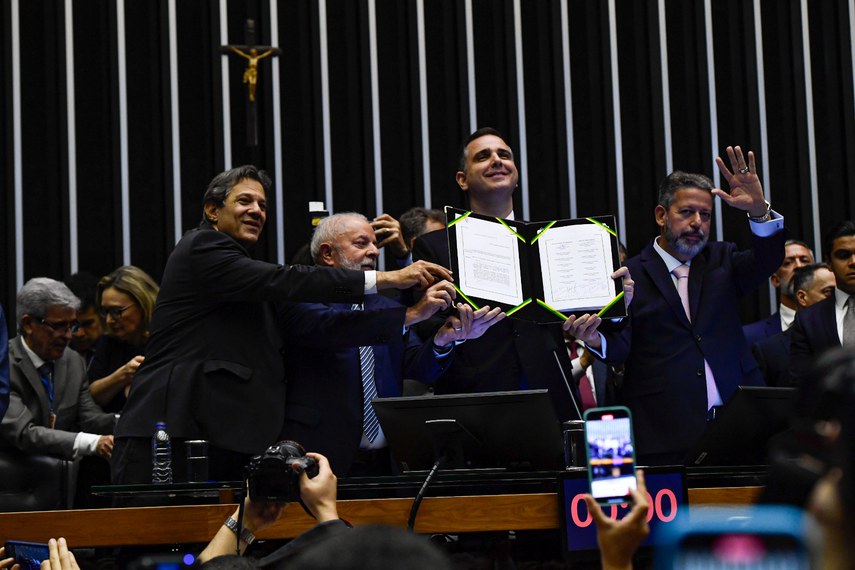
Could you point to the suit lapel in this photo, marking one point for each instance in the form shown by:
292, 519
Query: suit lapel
828, 322
25, 365
655, 268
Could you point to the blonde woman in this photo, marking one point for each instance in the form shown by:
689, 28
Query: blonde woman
125, 300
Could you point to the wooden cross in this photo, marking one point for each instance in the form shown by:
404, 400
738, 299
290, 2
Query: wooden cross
253, 54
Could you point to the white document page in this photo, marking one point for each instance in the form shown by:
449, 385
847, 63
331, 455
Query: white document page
488, 261
575, 263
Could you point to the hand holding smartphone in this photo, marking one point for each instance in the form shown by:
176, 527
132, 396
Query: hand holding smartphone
610, 449
28, 554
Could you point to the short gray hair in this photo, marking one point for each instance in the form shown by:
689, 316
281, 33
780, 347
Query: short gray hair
328, 230
39, 293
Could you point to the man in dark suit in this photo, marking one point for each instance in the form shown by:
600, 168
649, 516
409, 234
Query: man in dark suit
796, 254
514, 354
325, 353
827, 324
811, 284
213, 368
50, 409
683, 349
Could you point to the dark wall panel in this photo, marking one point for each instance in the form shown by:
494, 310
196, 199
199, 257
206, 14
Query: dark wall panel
48, 245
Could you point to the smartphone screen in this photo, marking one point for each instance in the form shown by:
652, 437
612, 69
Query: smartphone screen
28, 554
741, 550
611, 454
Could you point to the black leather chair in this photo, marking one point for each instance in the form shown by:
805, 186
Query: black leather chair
36, 482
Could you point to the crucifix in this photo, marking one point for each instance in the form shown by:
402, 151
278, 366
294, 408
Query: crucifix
253, 54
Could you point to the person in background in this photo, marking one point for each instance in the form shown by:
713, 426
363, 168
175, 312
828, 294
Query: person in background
811, 284
796, 254
829, 323
125, 299
83, 285
50, 409
418, 221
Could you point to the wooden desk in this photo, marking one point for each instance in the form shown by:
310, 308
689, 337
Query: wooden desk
191, 524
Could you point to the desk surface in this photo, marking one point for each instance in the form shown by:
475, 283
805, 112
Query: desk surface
198, 523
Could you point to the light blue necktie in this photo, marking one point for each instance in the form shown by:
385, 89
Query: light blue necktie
370, 423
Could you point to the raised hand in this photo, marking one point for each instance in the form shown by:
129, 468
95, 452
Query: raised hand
746, 192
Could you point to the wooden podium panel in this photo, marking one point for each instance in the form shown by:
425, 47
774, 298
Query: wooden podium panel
198, 523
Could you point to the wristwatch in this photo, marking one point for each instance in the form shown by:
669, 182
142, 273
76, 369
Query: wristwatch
245, 534
765, 217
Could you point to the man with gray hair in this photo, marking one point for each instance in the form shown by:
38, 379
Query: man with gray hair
50, 409
340, 356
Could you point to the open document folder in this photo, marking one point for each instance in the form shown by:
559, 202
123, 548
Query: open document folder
538, 271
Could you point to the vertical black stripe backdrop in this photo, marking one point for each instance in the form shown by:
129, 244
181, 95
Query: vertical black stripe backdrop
44, 113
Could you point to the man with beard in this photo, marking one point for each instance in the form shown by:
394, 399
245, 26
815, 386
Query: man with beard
683, 347
339, 356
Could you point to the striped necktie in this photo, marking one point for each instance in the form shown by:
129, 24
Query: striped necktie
370, 423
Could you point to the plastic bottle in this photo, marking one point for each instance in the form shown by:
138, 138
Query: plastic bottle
161, 455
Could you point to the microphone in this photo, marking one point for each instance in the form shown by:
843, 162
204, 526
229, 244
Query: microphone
552, 346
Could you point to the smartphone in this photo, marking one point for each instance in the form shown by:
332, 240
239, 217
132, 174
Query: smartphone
764, 537
610, 449
28, 554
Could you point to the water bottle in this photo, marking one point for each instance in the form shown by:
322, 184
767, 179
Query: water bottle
161, 455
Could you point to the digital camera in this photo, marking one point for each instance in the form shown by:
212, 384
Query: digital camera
274, 477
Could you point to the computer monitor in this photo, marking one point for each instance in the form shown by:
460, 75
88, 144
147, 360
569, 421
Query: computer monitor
745, 424
516, 430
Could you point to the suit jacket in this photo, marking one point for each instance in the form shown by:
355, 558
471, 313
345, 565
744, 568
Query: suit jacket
764, 328
604, 383
26, 425
664, 380
773, 356
213, 367
512, 354
814, 331
323, 410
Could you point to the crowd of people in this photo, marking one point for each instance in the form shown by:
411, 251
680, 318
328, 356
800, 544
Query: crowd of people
243, 353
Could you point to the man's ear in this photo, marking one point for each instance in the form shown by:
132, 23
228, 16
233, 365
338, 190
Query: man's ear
27, 324
801, 298
211, 211
775, 280
659, 213
327, 254
461, 180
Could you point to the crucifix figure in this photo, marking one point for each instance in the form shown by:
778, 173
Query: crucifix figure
253, 54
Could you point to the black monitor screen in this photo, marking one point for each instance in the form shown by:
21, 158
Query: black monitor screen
742, 430
518, 430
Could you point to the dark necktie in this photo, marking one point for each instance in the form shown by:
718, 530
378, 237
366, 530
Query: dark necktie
370, 423
46, 375
586, 391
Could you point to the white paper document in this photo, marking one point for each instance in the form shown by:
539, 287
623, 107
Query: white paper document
489, 263
575, 264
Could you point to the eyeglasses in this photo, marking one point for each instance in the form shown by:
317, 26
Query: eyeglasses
62, 327
115, 312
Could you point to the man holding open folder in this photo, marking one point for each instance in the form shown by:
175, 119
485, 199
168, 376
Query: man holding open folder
513, 354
